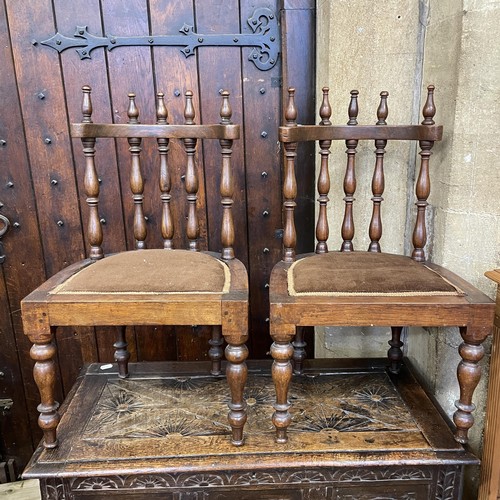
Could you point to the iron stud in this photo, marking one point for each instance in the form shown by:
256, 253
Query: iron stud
263, 134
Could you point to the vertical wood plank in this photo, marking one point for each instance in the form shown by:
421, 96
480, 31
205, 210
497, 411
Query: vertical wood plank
92, 72
219, 69
174, 78
131, 69
489, 487
262, 101
298, 28
38, 73
23, 268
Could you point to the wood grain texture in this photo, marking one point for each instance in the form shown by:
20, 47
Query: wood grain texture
53, 198
356, 431
47, 308
471, 310
489, 488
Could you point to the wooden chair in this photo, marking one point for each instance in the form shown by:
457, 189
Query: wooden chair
359, 288
148, 286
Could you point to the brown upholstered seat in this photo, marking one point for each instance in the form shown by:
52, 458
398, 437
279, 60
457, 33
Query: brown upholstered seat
150, 272
363, 273
366, 288
166, 286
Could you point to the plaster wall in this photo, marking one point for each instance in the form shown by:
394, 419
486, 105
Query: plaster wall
401, 46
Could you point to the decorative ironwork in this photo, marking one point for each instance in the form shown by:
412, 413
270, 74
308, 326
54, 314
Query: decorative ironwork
4, 223
265, 40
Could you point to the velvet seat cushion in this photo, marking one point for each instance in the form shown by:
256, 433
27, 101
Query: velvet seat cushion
150, 272
365, 273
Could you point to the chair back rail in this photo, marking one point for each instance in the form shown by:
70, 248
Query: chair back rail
190, 135
292, 133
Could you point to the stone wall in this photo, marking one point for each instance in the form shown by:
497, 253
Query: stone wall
401, 46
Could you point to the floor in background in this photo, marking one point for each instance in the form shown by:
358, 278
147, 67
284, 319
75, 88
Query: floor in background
21, 490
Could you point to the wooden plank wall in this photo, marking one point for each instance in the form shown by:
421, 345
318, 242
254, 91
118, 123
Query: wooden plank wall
41, 188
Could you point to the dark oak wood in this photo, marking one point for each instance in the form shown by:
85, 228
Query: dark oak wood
47, 307
357, 433
47, 202
489, 487
388, 303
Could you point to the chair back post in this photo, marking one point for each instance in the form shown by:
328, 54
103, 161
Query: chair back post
350, 178
191, 180
226, 183
91, 182
378, 181
322, 229
167, 223
423, 186
136, 178
290, 183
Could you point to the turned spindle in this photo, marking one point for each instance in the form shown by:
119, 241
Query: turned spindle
91, 182
290, 183
191, 180
322, 230
423, 186
378, 181
350, 178
167, 222
122, 355
136, 178
44, 373
226, 183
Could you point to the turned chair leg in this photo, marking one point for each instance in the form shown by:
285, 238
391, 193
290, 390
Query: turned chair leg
468, 374
44, 372
282, 352
236, 374
299, 351
215, 352
122, 355
395, 353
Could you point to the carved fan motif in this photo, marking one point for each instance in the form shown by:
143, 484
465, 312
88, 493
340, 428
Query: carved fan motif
196, 406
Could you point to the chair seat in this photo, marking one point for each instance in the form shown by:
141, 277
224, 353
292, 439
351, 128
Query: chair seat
338, 274
150, 272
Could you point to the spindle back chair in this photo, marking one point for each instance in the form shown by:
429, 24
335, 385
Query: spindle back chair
148, 286
366, 288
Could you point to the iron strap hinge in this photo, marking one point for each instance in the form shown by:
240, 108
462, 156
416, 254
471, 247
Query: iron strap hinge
265, 40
